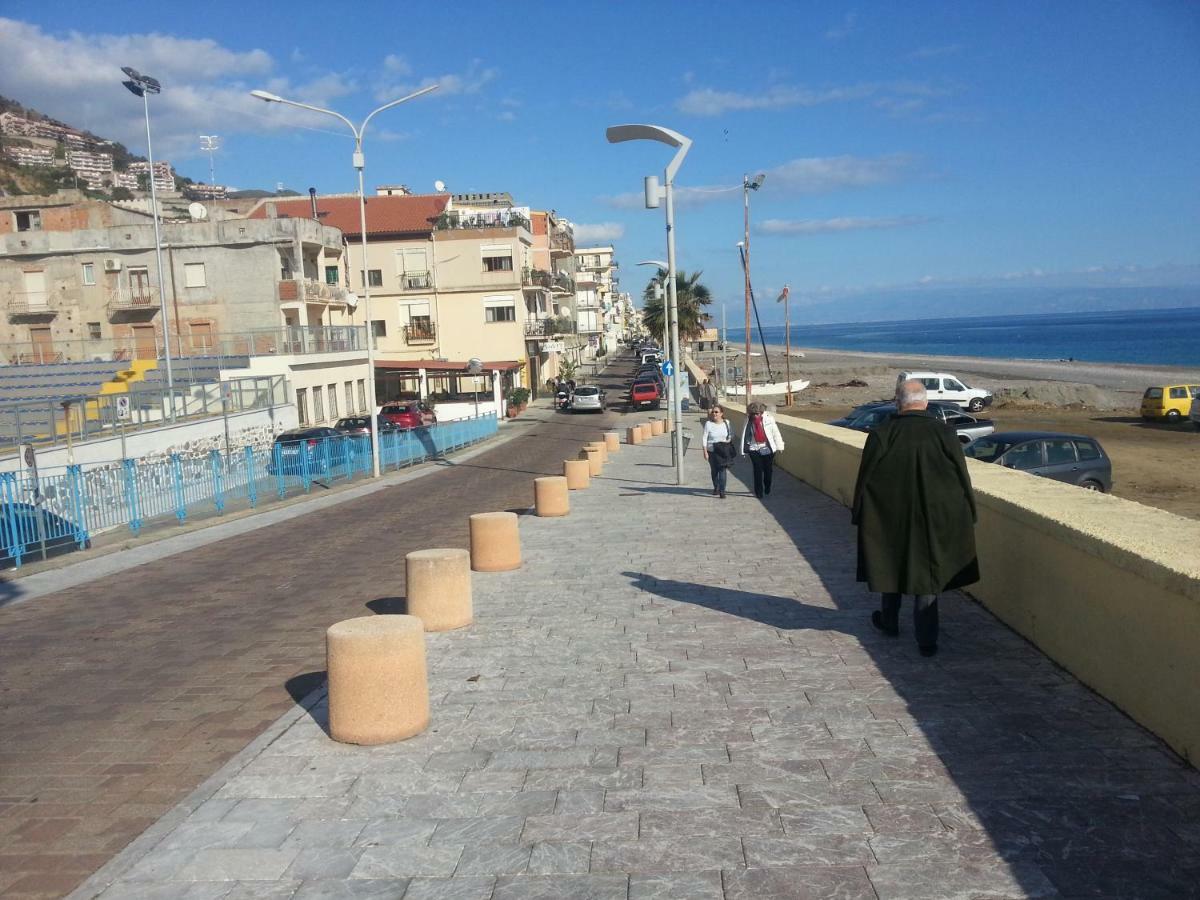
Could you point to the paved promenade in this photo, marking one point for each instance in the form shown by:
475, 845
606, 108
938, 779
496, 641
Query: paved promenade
681, 697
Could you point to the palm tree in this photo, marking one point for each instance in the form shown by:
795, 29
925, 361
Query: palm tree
690, 298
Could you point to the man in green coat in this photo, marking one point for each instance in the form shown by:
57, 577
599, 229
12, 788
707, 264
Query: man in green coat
915, 513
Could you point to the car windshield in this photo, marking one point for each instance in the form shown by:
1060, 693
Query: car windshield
352, 423
987, 449
586, 392
1153, 393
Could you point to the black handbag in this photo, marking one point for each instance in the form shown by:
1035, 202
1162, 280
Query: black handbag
724, 451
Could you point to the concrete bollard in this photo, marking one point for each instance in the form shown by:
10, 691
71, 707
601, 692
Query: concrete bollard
495, 542
378, 687
645, 431
657, 427
550, 496
577, 473
612, 442
599, 445
439, 587
633, 434
595, 464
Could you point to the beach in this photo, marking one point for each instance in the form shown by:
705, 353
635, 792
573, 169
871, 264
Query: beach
1153, 463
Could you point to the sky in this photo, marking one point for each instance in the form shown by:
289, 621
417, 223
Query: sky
906, 146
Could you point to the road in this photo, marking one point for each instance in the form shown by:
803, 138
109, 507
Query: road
120, 696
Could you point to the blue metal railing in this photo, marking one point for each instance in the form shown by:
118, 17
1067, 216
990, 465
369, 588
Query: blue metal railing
60, 512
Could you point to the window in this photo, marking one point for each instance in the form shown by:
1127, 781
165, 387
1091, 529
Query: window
1024, 456
331, 274
302, 405
1087, 450
362, 396
931, 384
497, 258
89, 273
499, 309
318, 404
350, 407
93, 331
193, 275
952, 385
1059, 453
374, 277
333, 410
28, 220
379, 328
1179, 393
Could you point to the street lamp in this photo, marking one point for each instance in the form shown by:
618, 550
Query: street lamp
748, 184
617, 134
143, 86
359, 163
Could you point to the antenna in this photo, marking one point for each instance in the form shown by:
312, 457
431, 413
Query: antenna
210, 144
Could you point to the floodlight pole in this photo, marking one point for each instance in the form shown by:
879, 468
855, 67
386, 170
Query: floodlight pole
617, 134
746, 280
359, 163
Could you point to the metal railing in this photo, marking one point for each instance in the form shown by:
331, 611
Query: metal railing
122, 300
538, 278
420, 334
260, 342
501, 218
62, 509
31, 303
550, 327
87, 417
563, 241
416, 281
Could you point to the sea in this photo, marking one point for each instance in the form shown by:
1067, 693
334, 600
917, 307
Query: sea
1165, 337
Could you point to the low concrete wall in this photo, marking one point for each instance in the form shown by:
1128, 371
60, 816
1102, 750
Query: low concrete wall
1107, 588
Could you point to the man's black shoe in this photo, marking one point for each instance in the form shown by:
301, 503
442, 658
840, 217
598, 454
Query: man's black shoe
877, 621
930, 650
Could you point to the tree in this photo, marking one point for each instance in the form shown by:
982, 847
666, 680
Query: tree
690, 297
122, 193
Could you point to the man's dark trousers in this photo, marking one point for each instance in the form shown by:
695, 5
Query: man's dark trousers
925, 617
763, 464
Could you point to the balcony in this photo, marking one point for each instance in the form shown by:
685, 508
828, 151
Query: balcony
422, 333
536, 279
138, 303
31, 305
562, 283
309, 290
502, 218
562, 242
548, 328
415, 281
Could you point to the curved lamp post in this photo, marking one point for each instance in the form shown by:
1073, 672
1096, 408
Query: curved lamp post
618, 134
359, 163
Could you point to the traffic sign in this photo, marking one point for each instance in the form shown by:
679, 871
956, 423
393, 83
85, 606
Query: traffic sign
122, 409
667, 368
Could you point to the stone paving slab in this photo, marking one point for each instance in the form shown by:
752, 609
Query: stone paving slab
682, 697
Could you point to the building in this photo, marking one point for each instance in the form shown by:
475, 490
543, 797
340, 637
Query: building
127, 180
164, 175
595, 288
205, 191
93, 168
16, 125
32, 156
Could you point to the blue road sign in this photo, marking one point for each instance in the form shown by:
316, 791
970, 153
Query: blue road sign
667, 368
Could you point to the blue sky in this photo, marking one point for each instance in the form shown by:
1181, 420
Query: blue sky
939, 145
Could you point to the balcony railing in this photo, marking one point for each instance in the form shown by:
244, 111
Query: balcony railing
502, 218
562, 283
562, 242
141, 299
549, 327
31, 303
425, 333
415, 281
536, 278
309, 290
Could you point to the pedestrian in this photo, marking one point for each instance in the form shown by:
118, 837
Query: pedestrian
915, 513
718, 449
761, 440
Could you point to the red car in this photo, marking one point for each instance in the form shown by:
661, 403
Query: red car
644, 393
407, 414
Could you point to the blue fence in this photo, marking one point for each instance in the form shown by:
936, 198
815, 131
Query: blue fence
61, 512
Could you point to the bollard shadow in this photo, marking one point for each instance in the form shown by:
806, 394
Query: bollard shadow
388, 606
308, 692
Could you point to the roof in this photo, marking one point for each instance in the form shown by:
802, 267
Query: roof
394, 214
1013, 437
443, 365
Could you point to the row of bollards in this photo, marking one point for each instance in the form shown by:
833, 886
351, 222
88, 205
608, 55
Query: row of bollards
378, 681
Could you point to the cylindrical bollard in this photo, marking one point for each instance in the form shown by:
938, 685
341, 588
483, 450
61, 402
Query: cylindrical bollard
439, 587
495, 542
577, 472
644, 431
595, 464
612, 441
378, 687
670, 426
599, 445
657, 427
633, 434
550, 496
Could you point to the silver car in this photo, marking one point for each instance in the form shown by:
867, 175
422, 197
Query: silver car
587, 398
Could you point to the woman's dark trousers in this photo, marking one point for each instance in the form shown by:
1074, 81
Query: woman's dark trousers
763, 467
719, 473
925, 617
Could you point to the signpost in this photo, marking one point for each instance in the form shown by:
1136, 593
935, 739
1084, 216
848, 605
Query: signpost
30, 457
123, 417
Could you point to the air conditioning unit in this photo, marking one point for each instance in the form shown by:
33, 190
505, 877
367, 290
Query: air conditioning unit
112, 265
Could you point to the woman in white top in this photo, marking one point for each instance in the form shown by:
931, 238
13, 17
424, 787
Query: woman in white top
718, 449
761, 440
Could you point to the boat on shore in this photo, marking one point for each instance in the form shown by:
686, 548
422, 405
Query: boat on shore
769, 387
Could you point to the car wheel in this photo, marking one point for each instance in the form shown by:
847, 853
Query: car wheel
1090, 485
1172, 416
976, 404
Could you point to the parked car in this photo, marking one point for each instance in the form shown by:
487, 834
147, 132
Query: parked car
644, 393
361, 425
588, 398
320, 449
869, 415
1195, 414
943, 386
1172, 402
408, 414
19, 523
650, 356
1071, 458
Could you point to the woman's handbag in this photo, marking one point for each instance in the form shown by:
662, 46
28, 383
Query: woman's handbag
724, 450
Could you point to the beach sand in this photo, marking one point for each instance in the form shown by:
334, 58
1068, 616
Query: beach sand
1153, 463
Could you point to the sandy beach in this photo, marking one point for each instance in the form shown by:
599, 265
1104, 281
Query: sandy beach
1153, 463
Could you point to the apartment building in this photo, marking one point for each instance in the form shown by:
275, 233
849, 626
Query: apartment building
164, 175
127, 180
595, 285
93, 168
16, 125
32, 156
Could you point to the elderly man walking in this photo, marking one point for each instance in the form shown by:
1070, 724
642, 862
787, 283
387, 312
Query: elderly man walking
915, 513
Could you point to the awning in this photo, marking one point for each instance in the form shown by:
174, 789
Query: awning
437, 365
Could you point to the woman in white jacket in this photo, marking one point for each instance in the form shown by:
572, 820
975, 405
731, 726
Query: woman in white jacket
761, 440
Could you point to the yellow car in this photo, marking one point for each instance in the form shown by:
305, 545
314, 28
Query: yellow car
1172, 402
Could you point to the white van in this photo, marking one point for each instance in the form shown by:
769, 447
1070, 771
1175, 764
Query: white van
650, 356
943, 386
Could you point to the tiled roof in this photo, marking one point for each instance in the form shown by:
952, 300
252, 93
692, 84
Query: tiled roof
385, 215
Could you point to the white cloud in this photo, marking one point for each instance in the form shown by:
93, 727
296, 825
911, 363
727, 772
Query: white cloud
684, 197
887, 95
795, 227
598, 233
507, 116
471, 81
846, 28
397, 65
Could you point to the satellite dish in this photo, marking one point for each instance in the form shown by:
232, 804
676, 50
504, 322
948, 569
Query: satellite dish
474, 365
439, 186
197, 211
351, 301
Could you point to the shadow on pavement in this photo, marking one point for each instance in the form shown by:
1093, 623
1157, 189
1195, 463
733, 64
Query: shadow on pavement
388, 606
